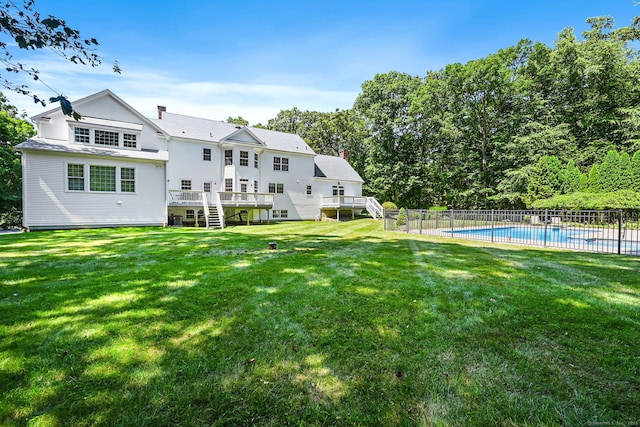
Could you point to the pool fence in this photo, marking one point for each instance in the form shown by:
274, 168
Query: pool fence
610, 231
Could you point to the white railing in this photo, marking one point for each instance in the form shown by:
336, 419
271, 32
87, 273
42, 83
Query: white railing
228, 198
344, 202
186, 196
220, 210
374, 208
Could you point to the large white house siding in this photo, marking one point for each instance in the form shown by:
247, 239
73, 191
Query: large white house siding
186, 163
49, 204
300, 174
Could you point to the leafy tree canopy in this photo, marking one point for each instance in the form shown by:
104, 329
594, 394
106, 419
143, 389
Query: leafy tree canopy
22, 24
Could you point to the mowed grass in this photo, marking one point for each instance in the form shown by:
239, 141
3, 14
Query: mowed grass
344, 324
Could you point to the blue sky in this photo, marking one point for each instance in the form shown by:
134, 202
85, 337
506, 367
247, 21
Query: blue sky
216, 59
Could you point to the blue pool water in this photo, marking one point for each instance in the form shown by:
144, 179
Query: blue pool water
553, 234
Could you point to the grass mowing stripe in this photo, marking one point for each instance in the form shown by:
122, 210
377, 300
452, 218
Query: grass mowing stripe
342, 325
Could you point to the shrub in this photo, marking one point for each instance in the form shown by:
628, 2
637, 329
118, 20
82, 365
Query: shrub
389, 206
402, 217
438, 208
11, 218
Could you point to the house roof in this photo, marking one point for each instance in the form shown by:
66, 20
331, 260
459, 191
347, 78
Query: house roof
77, 105
179, 126
41, 144
335, 168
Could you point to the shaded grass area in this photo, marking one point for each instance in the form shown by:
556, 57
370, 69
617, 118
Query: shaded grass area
342, 325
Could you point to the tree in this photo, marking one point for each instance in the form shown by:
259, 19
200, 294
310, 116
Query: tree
546, 180
238, 121
30, 31
571, 178
13, 130
610, 172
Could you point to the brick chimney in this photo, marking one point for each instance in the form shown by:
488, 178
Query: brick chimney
161, 109
344, 154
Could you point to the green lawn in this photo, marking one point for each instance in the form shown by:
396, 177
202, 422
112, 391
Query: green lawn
344, 324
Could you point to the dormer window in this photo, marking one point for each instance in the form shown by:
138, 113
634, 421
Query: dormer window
125, 138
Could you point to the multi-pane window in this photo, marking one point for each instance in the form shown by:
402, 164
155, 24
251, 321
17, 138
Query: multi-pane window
255, 160
75, 177
102, 178
309, 190
128, 180
255, 186
106, 137
206, 154
129, 140
191, 214
244, 158
280, 213
338, 190
285, 164
228, 157
185, 184
277, 163
81, 135
228, 184
276, 188
206, 187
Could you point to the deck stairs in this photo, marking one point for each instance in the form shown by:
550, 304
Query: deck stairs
214, 213
374, 208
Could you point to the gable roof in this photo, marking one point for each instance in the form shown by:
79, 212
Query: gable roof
336, 168
77, 105
179, 126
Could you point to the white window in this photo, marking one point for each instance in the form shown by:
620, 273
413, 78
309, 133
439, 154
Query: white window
277, 163
129, 140
81, 135
102, 178
75, 177
285, 164
228, 184
185, 184
228, 157
255, 186
275, 213
206, 154
106, 137
309, 190
284, 213
191, 214
255, 160
244, 158
338, 190
276, 188
206, 187
280, 213
127, 180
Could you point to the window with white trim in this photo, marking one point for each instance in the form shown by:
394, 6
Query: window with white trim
255, 160
244, 158
338, 190
206, 187
255, 186
228, 184
275, 213
81, 135
284, 213
190, 214
102, 178
129, 140
185, 184
206, 154
276, 188
228, 157
309, 190
106, 137
280, 213
127, 180
75, 177
285, 164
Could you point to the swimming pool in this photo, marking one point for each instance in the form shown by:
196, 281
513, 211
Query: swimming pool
571, 238
550, 235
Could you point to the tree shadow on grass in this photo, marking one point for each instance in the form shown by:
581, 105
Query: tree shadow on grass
161, 327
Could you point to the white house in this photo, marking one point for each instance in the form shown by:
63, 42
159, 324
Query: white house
116, 167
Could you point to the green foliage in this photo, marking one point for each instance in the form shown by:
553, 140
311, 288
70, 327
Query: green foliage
25, 26
238, 120
12, 132
389, 206
402, 217
621, 199
438, 208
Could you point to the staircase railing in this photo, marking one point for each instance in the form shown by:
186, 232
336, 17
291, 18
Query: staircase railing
220, 209
205, 204
374, 208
